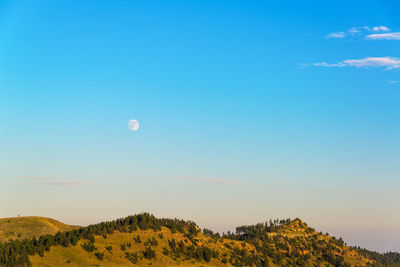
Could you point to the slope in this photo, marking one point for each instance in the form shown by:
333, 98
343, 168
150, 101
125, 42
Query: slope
143, 240
29, 227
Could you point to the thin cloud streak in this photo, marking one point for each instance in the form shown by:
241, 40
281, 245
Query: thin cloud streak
381, 28
208, 180
359, 31
324, 64
49, 182
64, 183
384, 36
336, 35
387, 62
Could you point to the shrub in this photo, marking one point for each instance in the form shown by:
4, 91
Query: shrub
89, 246
153, 241
132, 257
149, 253
99, 255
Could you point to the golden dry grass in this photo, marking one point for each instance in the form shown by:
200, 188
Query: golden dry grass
29, 227
77, 256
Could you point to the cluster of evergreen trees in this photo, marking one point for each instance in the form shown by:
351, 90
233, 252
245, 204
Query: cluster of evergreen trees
193, 251
16, 252
300, 250
270, 240
281, 249
390, 259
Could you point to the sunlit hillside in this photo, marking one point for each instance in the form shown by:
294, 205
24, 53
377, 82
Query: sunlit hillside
118, 246
143, 240
29, 227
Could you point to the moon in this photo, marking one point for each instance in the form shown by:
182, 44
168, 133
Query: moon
133, 125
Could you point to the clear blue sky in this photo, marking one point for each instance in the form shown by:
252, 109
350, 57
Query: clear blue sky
248, 110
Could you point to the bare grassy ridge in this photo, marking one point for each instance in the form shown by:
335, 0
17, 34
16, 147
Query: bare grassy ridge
29, 227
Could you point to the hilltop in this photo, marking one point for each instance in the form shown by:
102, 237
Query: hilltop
143, 240
29, 227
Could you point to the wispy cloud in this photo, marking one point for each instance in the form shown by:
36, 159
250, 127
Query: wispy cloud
336, 35
208, 180
354, 30
384, 36
324, 64
49, 182
359, 31
385, 62
394, 82
380, 28
63, 183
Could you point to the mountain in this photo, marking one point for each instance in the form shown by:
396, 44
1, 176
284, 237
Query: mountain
29, 227
143, 240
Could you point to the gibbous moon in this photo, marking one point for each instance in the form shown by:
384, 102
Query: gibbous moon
133, 125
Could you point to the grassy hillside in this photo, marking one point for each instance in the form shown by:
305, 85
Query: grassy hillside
143, 240
116, 256
29, 227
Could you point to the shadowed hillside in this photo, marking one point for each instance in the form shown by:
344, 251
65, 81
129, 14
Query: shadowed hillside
143, 240
29, 227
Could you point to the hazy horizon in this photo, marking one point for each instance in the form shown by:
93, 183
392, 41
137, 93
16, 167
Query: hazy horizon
246, 111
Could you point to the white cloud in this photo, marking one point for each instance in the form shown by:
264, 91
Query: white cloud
380, 28
384, 36
209, 180
336, 35
354, 30
387, 62
324, 64
394, 82
359, 31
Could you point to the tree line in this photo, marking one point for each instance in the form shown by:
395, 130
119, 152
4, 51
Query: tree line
17, 252
268, 239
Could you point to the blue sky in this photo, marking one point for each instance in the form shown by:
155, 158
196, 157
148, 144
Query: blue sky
248, 110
